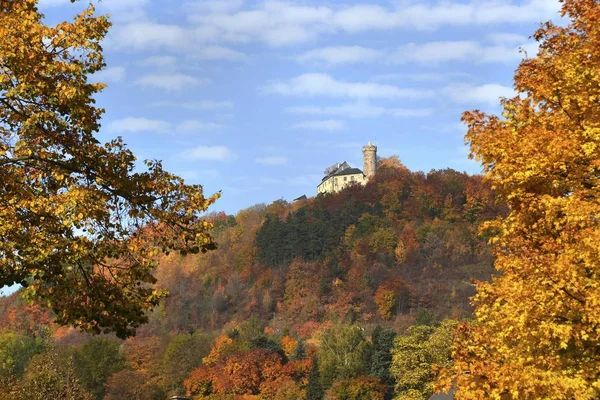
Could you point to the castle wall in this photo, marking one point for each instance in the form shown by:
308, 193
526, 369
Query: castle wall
337, 183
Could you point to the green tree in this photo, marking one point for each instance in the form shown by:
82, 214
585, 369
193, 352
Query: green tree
96, 361
417, 358
382, 341
15, 352
343, 354
314, 389
132, 385
80, 228
50, 376
184, 354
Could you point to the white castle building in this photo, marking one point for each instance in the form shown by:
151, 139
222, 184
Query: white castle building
341, 175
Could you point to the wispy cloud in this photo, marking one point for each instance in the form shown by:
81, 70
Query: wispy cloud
159, 61
420, 77
209, 153
488, 94
196, 105
170, 82
280, 23
361, 110
195, 126
136, 125
496, 48
464, 50
301, 180
338, 55
325, 125
325, 85
196, 175
271, 160
147, 36
110, 75
211, 53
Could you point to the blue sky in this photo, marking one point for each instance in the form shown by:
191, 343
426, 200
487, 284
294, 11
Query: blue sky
257, 98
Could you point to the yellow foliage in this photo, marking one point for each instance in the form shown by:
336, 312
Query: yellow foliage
289, 344
79, 227
536, 332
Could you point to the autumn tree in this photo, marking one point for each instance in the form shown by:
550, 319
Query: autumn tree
15, 352
50, 376
184, 353
96, 361
418, 357
390, 296
134, 385
344, 353
81, 228
536, 331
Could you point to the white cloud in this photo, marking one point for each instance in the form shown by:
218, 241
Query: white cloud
337, 55
273, 22
195, 175
282, 23
135, 125
302, 180
160, 61
325, 85
215, 6
211, 53
196, 105
194, 126
420, 76
271, 160
506, 38
502, 50
325, 125
436, 52
360, 110
170, 82
148, 35
270, 181
52, 3
488, 94
110, 75
279, 23
209, 153
360, 18
123, 10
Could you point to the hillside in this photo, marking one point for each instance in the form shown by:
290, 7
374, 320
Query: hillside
397, 252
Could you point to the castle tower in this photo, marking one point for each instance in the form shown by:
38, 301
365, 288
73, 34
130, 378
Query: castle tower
369, 160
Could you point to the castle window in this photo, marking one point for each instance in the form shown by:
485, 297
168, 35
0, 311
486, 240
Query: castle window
351, 178
345, 179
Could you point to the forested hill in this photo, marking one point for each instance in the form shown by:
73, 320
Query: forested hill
400, 251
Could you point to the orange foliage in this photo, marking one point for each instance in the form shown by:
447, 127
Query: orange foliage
388, 296
288, 344
222, 344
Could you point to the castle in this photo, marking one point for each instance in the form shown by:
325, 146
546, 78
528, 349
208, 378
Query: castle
340, 175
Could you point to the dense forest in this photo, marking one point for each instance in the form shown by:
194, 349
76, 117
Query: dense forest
351, 295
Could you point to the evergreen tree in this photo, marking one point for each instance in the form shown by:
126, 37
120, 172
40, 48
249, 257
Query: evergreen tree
314, 390
300, 352
381, 359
